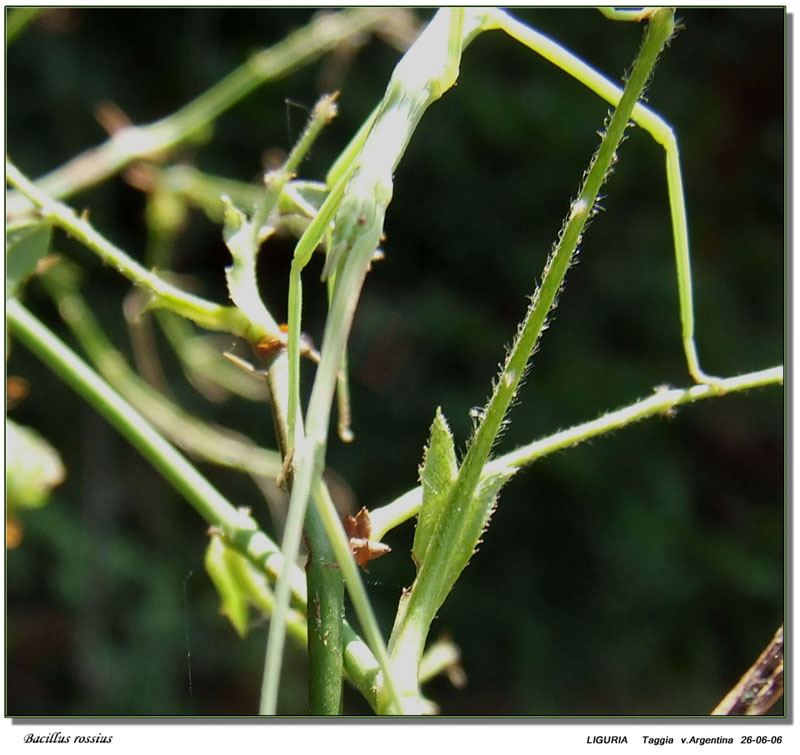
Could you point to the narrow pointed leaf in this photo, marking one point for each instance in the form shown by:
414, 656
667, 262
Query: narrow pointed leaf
437, 474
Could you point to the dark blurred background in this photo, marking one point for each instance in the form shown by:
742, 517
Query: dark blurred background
640, 574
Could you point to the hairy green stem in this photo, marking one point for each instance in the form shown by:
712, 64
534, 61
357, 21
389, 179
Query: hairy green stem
419, 608
661, 404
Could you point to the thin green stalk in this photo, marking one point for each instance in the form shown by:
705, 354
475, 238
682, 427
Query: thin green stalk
658, 32
325, 588
243, 237
138, 142
239, 530
332, 642
325, 606
204, 313
235, 524
419, 608
661, 404
293, 444
309, 461
195, 436
352, 578
323, 113
357, 232
306, 245
177, 470
661, 132
308, 464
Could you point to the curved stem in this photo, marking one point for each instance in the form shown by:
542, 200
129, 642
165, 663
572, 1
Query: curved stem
205, 498
197, 437
460, 522
239, 530
138, 142
661, 404
205, 313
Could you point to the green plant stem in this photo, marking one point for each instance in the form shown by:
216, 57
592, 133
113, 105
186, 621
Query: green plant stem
204, 313
544, 300
254, 587
324, 614
235, 525
325, 586
206, 500
309, 461
323, 113
348, 569
661, 404
420, 606
214, 444
243, 237
419, 79
138, 142
331, 642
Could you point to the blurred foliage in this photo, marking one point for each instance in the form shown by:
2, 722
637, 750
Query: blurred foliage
638, 575
33, 468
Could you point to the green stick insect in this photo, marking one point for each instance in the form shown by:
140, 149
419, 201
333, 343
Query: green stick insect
350, 222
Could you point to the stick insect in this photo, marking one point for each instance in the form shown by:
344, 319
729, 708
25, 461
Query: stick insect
350, 221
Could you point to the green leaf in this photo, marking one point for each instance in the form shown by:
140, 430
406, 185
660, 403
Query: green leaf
25, 246
33, 467
486, 499
242, 243
241, 585
464, 521
437, 474
234, 601
453, 517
